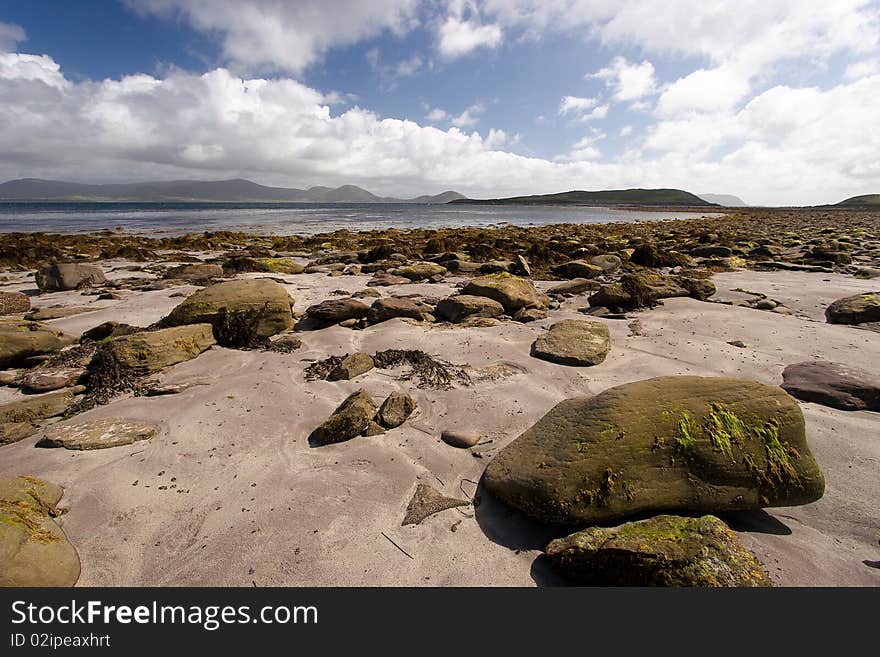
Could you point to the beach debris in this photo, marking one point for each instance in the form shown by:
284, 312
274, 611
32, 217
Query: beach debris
427, 501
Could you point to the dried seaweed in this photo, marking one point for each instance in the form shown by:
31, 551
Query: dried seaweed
429, 372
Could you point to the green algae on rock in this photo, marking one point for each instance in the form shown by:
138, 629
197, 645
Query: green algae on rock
33, 549
680, 443
662, 551
857, 309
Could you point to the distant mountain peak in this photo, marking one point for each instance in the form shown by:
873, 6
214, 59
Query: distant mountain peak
727, 200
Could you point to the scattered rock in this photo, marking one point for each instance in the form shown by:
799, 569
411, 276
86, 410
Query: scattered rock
51, 378
396, 408
150, 351
857, 309
661, 551
57, 312
349, 420
14, 303
833, 385
427, 501
109, 330
525, 315
511, 292
20, 339
520, 267
649, 255
33, 549
351, 366
265, 265
574, 286
97, 434
457, 308
609, 262
578, 269
384, 279
373, 429
12, 432
389, 308
241, 312
284, 343
460, 439
68, 276
333, 311
701, 445
574, 342
419, 271
195, 272
711, 251
38, 407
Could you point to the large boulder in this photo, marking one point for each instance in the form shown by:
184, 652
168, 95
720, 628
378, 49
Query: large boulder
241, 312
333, 311
21, 339
574, 342
609, 262
660, 551
458, 308
68, 276
97, 434
574, 286
350, 419
33, 549
857, 309
693, 444
510, 291
388, 308
266, 265
150, 351
14, 303
832, 384
639, 290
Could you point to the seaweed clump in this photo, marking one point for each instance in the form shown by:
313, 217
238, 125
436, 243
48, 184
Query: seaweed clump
429, 372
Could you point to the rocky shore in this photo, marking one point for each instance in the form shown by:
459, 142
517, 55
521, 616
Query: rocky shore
686, 402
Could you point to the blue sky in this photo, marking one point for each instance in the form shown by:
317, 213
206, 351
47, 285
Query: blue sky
777, 101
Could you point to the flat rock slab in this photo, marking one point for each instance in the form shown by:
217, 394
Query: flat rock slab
834, 385
58, 312
21, 339
38, 407
661, 551
33, 549
50, 379
99, 434
574, 342
427, 501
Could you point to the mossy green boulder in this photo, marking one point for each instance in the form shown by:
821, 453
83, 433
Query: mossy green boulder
20, 339
857, 309
33, 549
350, 419
662, 551
512, 292
150, 351
242, 312
685, 443
28, 408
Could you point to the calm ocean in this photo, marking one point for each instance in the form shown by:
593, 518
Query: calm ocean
294, 218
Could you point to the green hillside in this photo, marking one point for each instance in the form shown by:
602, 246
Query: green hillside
668, 197
866, 200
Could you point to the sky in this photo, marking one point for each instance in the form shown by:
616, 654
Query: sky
776, 101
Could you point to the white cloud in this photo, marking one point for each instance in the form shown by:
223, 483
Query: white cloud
495, 138
10, 35
576, 104
705, 90
468, 118
862, 69
288, 36
436, 115
409, 66
626, 131
457, 37
629, 81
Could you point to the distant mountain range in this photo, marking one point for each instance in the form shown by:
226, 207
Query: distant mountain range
667, 197
866, 200
216, 191
727, 200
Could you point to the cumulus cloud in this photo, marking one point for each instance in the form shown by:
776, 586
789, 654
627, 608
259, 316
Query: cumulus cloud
457, 37
576, 104
628, 81
468, 118
10, 35
436, 115
286, 36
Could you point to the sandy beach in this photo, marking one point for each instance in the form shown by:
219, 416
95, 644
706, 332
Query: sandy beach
229, 492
